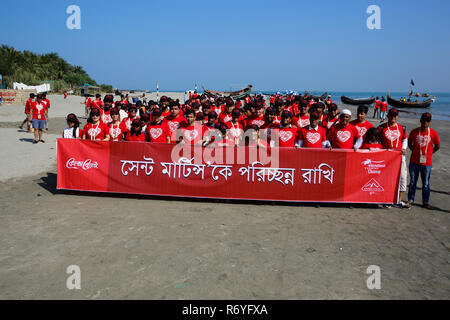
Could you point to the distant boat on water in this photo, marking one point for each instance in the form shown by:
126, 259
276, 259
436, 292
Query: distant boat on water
410, 104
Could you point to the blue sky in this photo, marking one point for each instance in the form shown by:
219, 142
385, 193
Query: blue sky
313, 45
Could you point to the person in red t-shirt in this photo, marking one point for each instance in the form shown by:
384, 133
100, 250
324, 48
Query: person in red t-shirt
361, 123
313, 135
383, 109
371, 141
235, 128
223, 140
116, 128
423, 142
209, 130
157, 131
174, 122
190, 132
376, 108
39, 114
343, 135
332, 118
28, 113
302, 120
135, 133
87, 104
225, 116
95, 129
97, 103
254, 138
132, 114
287, 134
393, 137
257, 117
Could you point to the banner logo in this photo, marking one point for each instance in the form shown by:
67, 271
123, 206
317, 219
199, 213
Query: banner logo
85, 165
372, 186
373, 167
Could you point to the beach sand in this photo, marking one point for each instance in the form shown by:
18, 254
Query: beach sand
165, 248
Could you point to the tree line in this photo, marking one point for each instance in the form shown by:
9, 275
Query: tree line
34, 69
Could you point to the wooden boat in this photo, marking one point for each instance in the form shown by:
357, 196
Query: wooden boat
413, 105
233, 94
425, 95
322, 97
357, 102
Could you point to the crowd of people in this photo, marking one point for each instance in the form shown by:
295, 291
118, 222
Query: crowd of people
283, 121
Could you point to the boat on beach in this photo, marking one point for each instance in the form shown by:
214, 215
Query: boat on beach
357, 102
413, 105
234, 94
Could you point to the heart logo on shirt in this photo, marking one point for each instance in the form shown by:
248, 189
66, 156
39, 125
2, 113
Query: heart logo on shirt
259, 123
423, 140
106, 118
190, 134
39, 107
227, 118
343, 136
114, 132
173, 125
392, 135
285, 135
362, 131
303, 122
313, 137
155, 133
93, 132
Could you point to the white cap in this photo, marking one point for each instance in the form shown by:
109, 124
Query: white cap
346, 111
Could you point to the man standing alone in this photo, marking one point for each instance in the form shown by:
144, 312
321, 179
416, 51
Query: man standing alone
423, 142
40, 114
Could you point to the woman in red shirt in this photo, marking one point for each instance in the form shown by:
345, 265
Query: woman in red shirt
116, 129
95, 129
135, 133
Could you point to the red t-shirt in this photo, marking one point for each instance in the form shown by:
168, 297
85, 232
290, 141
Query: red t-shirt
362, 127
392, 137
116, 131
139, 138
259, 121
191, 134
372, 146
173, 124
88, 102
38, 110
313, 138
302, 121
377, 104
384, 106
47, 103
28, 106
328, 123
422, 142
127, 122
236, 130
286, 136
95, 132
157, 132
224, 117
343, 137
97, 104
105, 116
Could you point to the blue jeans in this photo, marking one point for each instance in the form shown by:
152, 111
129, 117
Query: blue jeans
425, 173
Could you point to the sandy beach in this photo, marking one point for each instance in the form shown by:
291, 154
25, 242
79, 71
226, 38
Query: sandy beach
163, 248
